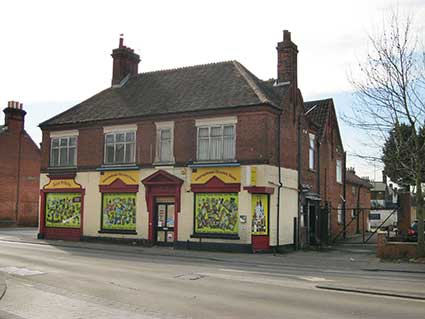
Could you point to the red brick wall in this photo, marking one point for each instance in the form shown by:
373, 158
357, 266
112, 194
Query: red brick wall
29, 177
90, 147
184, 140
45, 150
256, 133
289, 130
391, 250
146, 132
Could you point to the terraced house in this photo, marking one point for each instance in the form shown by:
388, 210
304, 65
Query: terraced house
206, 157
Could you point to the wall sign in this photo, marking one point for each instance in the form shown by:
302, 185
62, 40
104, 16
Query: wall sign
228, 175
260, 213
61, 183
119, 211
127, 177
253, 179
63, 210
216, 213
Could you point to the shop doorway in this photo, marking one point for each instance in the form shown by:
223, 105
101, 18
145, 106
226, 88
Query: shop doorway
164, 222
260, 222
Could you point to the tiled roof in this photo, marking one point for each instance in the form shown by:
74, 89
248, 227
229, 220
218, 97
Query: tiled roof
318, 112
196, 88
352, 178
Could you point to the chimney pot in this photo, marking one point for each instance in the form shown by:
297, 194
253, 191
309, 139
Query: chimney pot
121, 43
14, 116
286, 35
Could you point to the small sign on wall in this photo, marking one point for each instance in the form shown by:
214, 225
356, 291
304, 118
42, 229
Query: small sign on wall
253, 180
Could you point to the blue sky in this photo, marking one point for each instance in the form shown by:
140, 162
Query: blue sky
56, 53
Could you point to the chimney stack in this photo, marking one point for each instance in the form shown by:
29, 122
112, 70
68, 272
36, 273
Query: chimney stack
14, 117
125, 63
287, 53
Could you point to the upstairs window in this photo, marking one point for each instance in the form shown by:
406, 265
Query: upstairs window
339, 171
165, 142
311, 152
216, 142
63, 151
120, 147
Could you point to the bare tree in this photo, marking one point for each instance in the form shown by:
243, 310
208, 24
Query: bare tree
390, 95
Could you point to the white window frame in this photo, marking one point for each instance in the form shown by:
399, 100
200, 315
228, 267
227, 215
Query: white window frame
338, 171
63, 135
311, 150
161, 126
215, 122
123, 129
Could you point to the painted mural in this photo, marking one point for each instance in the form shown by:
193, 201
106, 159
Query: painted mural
63, 210
119, 211
216, 213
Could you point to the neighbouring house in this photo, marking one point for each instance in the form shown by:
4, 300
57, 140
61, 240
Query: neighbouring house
207, 156
357, 204
326, 186
384, 195
19, 170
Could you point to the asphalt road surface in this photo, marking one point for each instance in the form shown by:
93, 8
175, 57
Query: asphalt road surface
50, 281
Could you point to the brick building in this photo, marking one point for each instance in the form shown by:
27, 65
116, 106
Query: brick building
19, 170
206, 156
326, 186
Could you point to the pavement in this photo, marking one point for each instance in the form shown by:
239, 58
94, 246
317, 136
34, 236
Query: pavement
92, 280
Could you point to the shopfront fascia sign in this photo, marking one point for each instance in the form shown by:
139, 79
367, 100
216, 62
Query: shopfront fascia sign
127, 177
228, 175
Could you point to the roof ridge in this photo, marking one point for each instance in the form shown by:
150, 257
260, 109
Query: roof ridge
263, 98
187, 67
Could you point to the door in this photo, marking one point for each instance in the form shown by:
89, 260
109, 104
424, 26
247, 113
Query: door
164, 225
260, 222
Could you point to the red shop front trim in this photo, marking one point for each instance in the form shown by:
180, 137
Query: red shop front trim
162, 184
57, 232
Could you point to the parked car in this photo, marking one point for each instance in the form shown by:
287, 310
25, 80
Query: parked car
412, 233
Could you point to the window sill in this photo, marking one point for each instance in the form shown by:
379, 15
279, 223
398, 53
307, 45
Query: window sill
117, 231
64, 170
197, 164
171, 163
120, 167
57, 168
217, 236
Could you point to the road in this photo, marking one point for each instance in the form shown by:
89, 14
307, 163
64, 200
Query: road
58, 280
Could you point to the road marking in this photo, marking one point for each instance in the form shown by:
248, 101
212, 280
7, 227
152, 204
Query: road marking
307, 278
314, 279
20, 271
